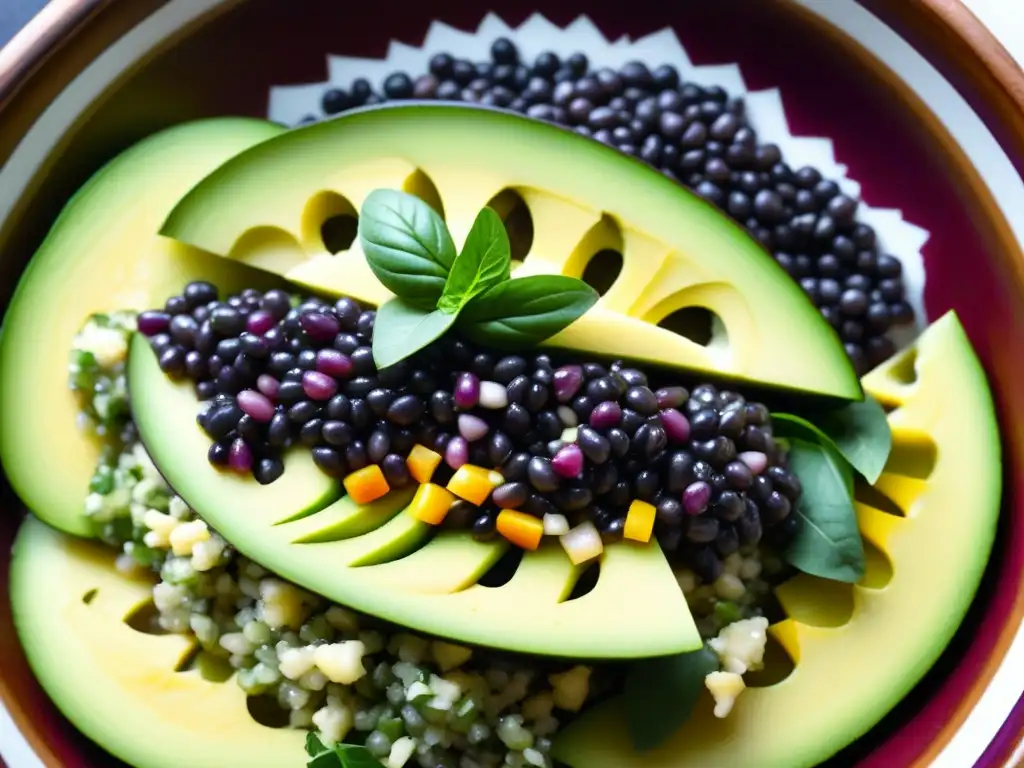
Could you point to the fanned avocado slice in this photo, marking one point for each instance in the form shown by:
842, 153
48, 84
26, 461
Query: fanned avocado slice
381, 560
945, 475
102, 255
266, 207
118, 685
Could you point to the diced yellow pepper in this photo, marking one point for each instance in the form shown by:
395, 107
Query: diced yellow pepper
474, 484
431, 503
422, 462
639, 521
366, 484
521, 529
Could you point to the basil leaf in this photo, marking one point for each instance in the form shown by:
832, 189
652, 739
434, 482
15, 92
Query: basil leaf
827, 542
402, 329
858, 431
527, 310
407, 245
327, 759
660, 694
314, 746
355, 756
484, 262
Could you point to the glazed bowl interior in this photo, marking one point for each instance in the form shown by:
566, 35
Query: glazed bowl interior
224, 61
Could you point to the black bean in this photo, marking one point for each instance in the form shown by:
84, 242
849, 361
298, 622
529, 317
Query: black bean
517, 421
510, 495
732, 423
396, 471
499, 448
442, 407
572, 498
728, 540
605, 476
516, 468
303, 411
669, 512
536, 396
595, 447
485, 527
647, 484
518, 388
311, 432
650, 440
406, 410
738, 475
642, 400
775, 508
221, 421
378, 446
330, 461
542, 475
702, 529
355, 456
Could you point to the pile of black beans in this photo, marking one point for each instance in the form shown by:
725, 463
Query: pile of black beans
700, 137
582, 439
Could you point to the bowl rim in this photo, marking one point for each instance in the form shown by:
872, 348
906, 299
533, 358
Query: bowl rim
31, 56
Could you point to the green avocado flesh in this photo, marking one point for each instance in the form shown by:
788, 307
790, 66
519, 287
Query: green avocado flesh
102, 255
944, 475
118, 685
379, 559
266, 207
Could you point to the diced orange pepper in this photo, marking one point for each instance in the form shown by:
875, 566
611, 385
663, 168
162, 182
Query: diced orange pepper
639, 521
431, 503
422, 462
366, 484
474, 484
521, 529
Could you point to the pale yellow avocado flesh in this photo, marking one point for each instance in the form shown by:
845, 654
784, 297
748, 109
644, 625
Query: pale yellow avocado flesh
266, 206
380, 559
102, 255
117, 685
847, 677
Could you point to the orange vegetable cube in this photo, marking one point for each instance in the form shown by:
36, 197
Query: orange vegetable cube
521, 529
474, 484
366, 484
422, 462
431, 503
639, 521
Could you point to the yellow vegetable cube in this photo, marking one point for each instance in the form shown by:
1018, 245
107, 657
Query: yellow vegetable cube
474, 484
422, 462
431, 503
639, 521
521, 529
366, 484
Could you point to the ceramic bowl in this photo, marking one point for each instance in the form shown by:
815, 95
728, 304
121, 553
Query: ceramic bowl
923, 106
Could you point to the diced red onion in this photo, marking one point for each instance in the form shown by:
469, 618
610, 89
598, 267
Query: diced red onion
467, 391
567, 382
676, 425
318, 386
334, 363
457, 452
756, 460
696, 497
472, 427
240, 456
568, 462
256, 404
606, 415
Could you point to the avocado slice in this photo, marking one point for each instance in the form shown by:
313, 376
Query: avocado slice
117, 685
381, 560
945, 474
101, 255
265, 207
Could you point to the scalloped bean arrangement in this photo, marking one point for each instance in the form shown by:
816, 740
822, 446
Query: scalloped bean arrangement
861, 639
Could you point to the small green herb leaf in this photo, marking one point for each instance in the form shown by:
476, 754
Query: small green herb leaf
660, 694
355, 756
858, 431
407, 245
527, 310
314, 746
483, 263
402, 329
827, 542
339, 756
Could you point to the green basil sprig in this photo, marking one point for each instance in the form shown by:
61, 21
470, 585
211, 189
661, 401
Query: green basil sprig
660, 694
858, 431
338, 756
827, 542
410, 250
